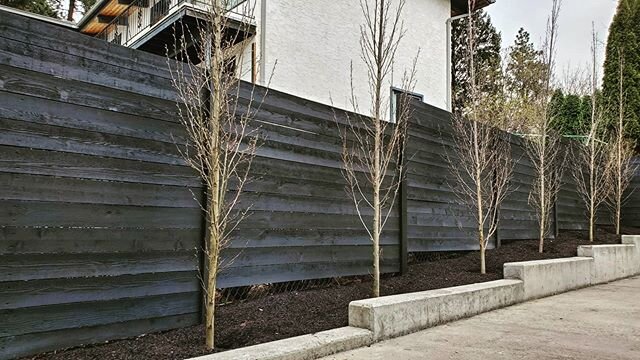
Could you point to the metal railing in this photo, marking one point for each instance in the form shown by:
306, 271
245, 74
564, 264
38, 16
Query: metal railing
142, 15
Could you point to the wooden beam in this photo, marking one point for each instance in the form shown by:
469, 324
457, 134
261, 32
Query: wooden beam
105, 19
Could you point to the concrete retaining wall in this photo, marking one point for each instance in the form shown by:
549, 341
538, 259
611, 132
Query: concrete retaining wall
634, 240
305, 347
548, 277
402, 314
610, 262
397, 315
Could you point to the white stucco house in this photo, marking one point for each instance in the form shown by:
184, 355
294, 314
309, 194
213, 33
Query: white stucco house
314, 43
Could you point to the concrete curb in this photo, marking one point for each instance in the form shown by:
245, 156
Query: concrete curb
610, 262
549, 277
372, 320
397, 315
305, 347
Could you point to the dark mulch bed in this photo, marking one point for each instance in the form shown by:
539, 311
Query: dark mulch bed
290, 314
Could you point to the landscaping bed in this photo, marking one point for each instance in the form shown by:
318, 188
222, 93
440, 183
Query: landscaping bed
289, 314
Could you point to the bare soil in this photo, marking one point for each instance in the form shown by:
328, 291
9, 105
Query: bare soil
296, 313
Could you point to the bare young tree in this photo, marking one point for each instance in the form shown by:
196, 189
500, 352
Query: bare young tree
221, 141
592, 184
480, 161
543, 144
372, 146
621, 152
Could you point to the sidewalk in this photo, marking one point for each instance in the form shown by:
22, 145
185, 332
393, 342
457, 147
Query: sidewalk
601, 322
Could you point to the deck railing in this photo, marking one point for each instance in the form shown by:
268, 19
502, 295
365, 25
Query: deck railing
142, 15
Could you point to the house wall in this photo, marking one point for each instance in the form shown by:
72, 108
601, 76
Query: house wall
315, 44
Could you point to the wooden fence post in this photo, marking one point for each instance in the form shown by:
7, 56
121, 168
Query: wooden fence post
556, 226
404, 253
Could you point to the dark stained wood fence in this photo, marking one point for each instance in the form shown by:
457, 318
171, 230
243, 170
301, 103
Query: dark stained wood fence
631, 209
437, 220
98, 225
99, 228
99, 221
302, 224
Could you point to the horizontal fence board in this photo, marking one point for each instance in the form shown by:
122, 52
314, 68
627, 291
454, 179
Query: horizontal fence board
55, 240
71, 42
69, 316
41, 162
25, 294
443, 244
303, 254
57, 139
40, 214
32, 83
69, 190
294, 272
54, 113
54, 266
291, 220
30, 57
88, 64
15, 346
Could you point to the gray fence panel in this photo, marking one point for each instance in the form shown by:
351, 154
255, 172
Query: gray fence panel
98, 224
631, 208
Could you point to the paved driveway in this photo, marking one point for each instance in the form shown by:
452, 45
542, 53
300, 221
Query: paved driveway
601, 322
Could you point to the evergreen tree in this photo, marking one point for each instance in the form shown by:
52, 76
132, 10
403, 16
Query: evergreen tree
624, 38
556, 107
571, 113
524, 80
576, 112
41, 7
488, 42
524, 66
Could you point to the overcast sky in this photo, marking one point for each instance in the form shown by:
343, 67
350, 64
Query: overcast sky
575, 21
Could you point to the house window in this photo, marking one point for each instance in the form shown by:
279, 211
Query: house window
395, 99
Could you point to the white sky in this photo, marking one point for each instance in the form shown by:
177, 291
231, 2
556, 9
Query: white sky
574, 37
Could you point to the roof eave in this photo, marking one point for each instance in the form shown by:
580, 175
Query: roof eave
461, 7
93, 11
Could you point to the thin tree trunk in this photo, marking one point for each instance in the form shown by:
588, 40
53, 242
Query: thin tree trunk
216, 103
591, 222
211, 294
376, 241
479, 202
592, 190
377, 176
541, 245
543, 194
483, 266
